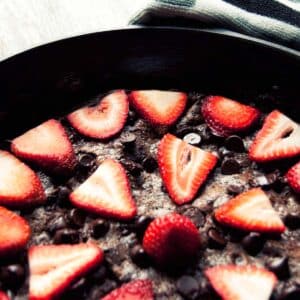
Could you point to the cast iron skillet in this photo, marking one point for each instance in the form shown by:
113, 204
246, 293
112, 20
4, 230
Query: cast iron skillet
51, 79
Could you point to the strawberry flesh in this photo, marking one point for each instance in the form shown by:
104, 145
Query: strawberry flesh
159, 107
172, 239
225, 116
47, 146
250, 211
293, 177
19, 185
106, 192
183, 167
14, 232
248, 282
54, 267
103, 120
134, 290
3, 296
279, 138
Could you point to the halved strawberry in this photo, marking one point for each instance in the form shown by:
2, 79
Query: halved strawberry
103, 120
19, 185
106, 192
3, 296
183, 167
293, 177
14, 232
279, 138
250, 211
159, 107
54, 267
171, 239
241, 282
135, 290
47, 146
225, 116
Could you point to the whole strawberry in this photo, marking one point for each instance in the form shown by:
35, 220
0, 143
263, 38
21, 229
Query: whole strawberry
171, 240
293, 177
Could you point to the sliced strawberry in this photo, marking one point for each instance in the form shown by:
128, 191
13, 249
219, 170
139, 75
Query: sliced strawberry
134, 290
183, 167
47, 146
106, 192
293, 177
250, 211
172, 239
54, 267
241, 282
103, 120
279, 138
225, 116
3, 296
14, 232
159, 107
19, 185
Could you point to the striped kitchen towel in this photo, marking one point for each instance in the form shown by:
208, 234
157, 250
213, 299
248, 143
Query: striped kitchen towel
273, 20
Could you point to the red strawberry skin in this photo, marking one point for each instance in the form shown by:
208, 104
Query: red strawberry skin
47, 146
159, 107
293, 177
171, 239
19, 185
106, 192
3, 296
270, 142
183, 168
225, 116
225, 278
54, 267
14, 232
250, 211
104, 120
134, 290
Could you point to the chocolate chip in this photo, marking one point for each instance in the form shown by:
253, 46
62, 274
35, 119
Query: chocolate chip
149, 164
234, 189
235, 143
142, 223
132, 117
230, 166
87, 160
139, 256
188, 287
62, 195
192, 139
56, 224
99, 228
253, 243
280, 266
77, 217
292, 220
290, 293
128, 139
195, 214
215, 239
12, 275
132, 167
66, 236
